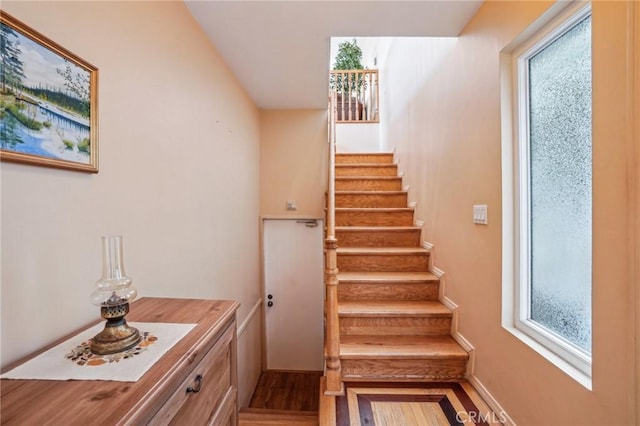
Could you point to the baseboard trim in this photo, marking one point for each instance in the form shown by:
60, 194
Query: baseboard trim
495, 406
453, 307
457, 336
249, 317
437, 272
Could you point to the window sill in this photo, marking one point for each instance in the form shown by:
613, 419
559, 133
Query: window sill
573, 372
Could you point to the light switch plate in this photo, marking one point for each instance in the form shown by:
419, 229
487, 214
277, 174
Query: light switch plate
291, 205
480, 214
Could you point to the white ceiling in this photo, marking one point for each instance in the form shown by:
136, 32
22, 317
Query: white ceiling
279, 50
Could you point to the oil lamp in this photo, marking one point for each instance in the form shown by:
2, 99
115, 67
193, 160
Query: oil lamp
113, 294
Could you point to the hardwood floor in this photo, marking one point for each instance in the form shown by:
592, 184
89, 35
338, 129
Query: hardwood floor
410, 404
287, 390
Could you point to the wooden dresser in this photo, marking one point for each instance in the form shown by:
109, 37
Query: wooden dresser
204, 360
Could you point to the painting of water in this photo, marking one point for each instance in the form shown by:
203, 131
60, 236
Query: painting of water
48, 105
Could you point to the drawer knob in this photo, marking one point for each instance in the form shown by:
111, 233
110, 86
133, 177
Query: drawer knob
197, 385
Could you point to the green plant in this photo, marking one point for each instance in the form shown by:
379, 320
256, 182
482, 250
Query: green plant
349, 57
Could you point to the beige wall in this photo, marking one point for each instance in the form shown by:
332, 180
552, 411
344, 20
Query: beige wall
361, 137
179, 164
448, 141
293, 162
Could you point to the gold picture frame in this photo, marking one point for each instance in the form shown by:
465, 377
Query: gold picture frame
48, 101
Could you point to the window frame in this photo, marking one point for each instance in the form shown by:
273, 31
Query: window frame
572, 359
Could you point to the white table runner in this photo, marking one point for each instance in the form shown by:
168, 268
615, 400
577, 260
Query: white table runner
55, 365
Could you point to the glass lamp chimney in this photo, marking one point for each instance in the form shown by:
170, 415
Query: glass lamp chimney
114, 286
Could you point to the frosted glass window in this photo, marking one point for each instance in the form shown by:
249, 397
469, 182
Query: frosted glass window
560, 185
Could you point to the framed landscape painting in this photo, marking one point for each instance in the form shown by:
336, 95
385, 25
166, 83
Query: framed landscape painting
48, 101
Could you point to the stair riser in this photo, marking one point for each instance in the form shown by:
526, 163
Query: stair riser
395, 326
383, 262
355, 184
387, 291
405, 238
371, 200
364, 158
374, 218
403, 369
390, 170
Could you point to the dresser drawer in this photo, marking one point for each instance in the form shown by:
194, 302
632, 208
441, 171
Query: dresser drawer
226, 414
202, 395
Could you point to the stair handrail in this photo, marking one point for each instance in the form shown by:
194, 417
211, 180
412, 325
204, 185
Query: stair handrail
333, 369
357, 95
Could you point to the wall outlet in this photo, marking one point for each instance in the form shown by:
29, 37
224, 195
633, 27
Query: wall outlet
480, 214
291, 205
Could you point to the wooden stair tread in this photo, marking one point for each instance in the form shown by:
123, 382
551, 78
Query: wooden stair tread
391, 347
386, 308
374, 277
381, 250
368, 177
374, 209
378, 192
364, 153
377, 228
364, 165
364, 158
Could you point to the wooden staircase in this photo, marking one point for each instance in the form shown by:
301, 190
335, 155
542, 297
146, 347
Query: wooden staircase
391, 324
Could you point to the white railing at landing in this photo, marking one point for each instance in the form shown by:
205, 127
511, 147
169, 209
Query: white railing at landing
357, 95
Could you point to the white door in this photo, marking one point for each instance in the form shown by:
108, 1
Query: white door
293, 275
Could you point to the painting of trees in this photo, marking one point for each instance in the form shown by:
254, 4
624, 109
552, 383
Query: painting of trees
12, 72
47, 101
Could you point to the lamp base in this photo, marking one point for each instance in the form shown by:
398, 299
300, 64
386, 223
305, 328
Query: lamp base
117, 335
